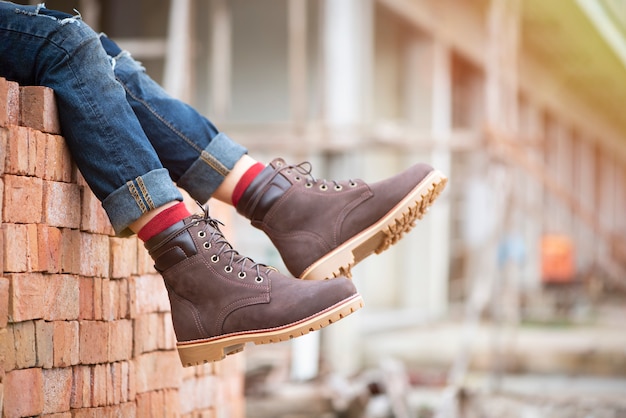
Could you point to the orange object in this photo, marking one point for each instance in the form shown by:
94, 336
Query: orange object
557, 259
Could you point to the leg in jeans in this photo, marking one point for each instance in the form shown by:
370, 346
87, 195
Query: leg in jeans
220, 299
106, 140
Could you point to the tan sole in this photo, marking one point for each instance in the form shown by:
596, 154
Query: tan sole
381, 235
214, 349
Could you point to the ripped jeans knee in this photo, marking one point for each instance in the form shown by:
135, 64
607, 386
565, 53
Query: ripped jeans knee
40, 10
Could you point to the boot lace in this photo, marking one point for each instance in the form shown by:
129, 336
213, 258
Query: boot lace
225, 249
216, 240
305, 169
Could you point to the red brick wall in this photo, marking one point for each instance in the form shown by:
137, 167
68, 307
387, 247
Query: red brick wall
85, 327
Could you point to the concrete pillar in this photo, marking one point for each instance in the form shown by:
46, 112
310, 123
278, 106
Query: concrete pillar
221, 58
428, 105
347, 40
179, 70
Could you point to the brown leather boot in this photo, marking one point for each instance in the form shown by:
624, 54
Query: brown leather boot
321, 229
221, 300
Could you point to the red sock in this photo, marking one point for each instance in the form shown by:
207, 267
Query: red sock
245, 181
163, 221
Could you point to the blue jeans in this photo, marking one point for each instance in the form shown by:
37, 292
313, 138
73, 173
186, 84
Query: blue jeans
130, 140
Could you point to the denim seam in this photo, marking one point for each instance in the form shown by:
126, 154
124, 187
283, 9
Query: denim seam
144, 193
214, 163
135, 194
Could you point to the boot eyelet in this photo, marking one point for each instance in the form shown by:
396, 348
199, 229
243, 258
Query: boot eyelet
258, 279
201, 234
288, 171
338, 187
228, 269
207, 245
323, 187
353, 184
298, 178
308, 185
215, 258
241, 275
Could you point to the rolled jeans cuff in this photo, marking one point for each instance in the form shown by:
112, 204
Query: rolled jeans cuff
206, 174
137, 197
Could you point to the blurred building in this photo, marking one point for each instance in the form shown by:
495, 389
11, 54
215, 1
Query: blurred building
519, 102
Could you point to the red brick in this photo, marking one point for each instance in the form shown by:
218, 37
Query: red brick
198, 393
58, 160
25, 346
114, 392
62, 297
61, 204
7, 349
99, 385
167, 340
1, 203
89, 413
57, 390
146, 332
124, 369
70, 251
127, 410
66, 352
94, 341
22, 255
172, 402
144, 405
109, 300
40, 152
123, 257
23, 197
150, 294
94, 255
4, 134
81, 387
121, 334
132, 381
27, 296
157, 370
21, 151
49, 248
23, 393
97, 298
4, 302
9, 102
155, 403
43, 341
123, 301
38, 109
86, 296
94, 218
145, 263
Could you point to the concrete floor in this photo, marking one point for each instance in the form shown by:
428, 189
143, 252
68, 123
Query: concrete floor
532, 371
